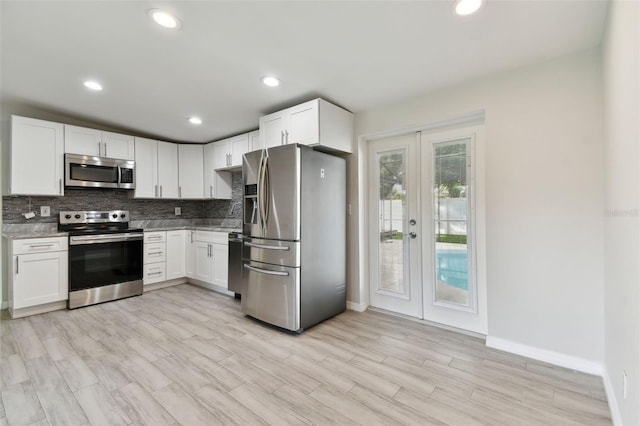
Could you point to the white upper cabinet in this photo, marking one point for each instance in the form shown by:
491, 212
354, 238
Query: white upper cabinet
254, 141
168, 170
156, 169
190, 171
272, 129
146, 168
315, 123
85, 141
229, 152
37, 157
217, 184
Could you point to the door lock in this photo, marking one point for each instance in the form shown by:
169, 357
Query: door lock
412, 222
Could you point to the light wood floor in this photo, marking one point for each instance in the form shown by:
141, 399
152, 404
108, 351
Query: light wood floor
185, 355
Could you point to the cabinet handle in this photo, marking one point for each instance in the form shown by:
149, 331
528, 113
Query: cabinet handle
17, 265
105, 148
156, 192
151, 253
40, 245
60, 186
160, 191
99, 149
230, 158
286, 137
211, 191
179, 192
154, 237
154, 273
281, 137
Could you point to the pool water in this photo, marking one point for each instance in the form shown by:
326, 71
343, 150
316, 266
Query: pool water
451, 268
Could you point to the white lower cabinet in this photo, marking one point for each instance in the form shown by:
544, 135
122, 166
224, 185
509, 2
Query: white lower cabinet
209, 251
176, 254
38, 273
154, 269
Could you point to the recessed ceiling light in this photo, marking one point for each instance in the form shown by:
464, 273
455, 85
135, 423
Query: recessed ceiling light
271, 81
164, 19
93, 85
195, 120
466, 7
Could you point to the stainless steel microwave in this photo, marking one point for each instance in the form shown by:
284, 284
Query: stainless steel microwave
98, 172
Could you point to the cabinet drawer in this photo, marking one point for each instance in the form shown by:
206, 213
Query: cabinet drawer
212, 237
155, 237
154, 272
40, 245
155, 252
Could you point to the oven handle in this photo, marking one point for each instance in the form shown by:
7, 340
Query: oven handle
96, 239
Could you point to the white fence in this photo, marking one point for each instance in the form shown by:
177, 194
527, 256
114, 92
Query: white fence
453, 216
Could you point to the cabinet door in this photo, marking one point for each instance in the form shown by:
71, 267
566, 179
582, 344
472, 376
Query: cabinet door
254, 141
221, 154
303, 124
190, 171
167, 170
83, 141
40, 278
220, 265
37, 157
146, 155
204, 262
217, 184
272, 129
176, 255
116, 145
190, 247
238, 146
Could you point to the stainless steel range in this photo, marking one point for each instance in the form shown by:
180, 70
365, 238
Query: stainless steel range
105, 256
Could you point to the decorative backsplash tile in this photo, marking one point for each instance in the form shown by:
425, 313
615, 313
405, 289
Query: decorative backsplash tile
112, 199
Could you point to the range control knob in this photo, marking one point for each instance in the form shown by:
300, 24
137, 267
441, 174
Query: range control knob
114, 216
123, 215
67, 216
77, 216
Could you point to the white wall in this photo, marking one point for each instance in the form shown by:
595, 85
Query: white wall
544, 202
621, 72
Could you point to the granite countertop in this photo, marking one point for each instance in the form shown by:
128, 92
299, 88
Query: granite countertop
45, 230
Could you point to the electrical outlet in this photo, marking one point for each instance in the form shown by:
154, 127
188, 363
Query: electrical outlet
45, 211
178, 211
624, 385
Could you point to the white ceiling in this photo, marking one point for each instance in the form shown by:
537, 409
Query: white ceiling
357, 54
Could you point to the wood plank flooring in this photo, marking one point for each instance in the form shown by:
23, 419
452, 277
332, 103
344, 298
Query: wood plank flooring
185, 355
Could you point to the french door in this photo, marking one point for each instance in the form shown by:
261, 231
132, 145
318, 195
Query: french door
422, 228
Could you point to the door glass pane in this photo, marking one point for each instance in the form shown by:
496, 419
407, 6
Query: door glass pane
392, 250
451, 223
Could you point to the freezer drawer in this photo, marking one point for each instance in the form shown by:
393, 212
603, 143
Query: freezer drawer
271, 294
275, 252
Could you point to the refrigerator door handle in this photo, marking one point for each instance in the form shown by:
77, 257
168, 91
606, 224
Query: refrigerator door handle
265, 271
267, 247
267, 193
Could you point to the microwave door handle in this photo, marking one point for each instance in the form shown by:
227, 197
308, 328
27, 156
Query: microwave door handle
119, 170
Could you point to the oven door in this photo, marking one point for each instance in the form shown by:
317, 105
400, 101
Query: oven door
100, 260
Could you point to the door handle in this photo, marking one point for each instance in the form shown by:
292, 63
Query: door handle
265, 271
412, 235
17, 265
266, 247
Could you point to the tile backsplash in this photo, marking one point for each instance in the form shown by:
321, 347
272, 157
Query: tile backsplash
111, 199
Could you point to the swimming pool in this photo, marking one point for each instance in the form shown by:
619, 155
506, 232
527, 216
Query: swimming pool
451, 268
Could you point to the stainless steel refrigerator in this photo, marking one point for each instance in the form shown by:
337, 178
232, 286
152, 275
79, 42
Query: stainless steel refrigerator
294, 249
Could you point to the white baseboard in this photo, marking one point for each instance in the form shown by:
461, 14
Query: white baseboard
555, 358
616, 418
358, 307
